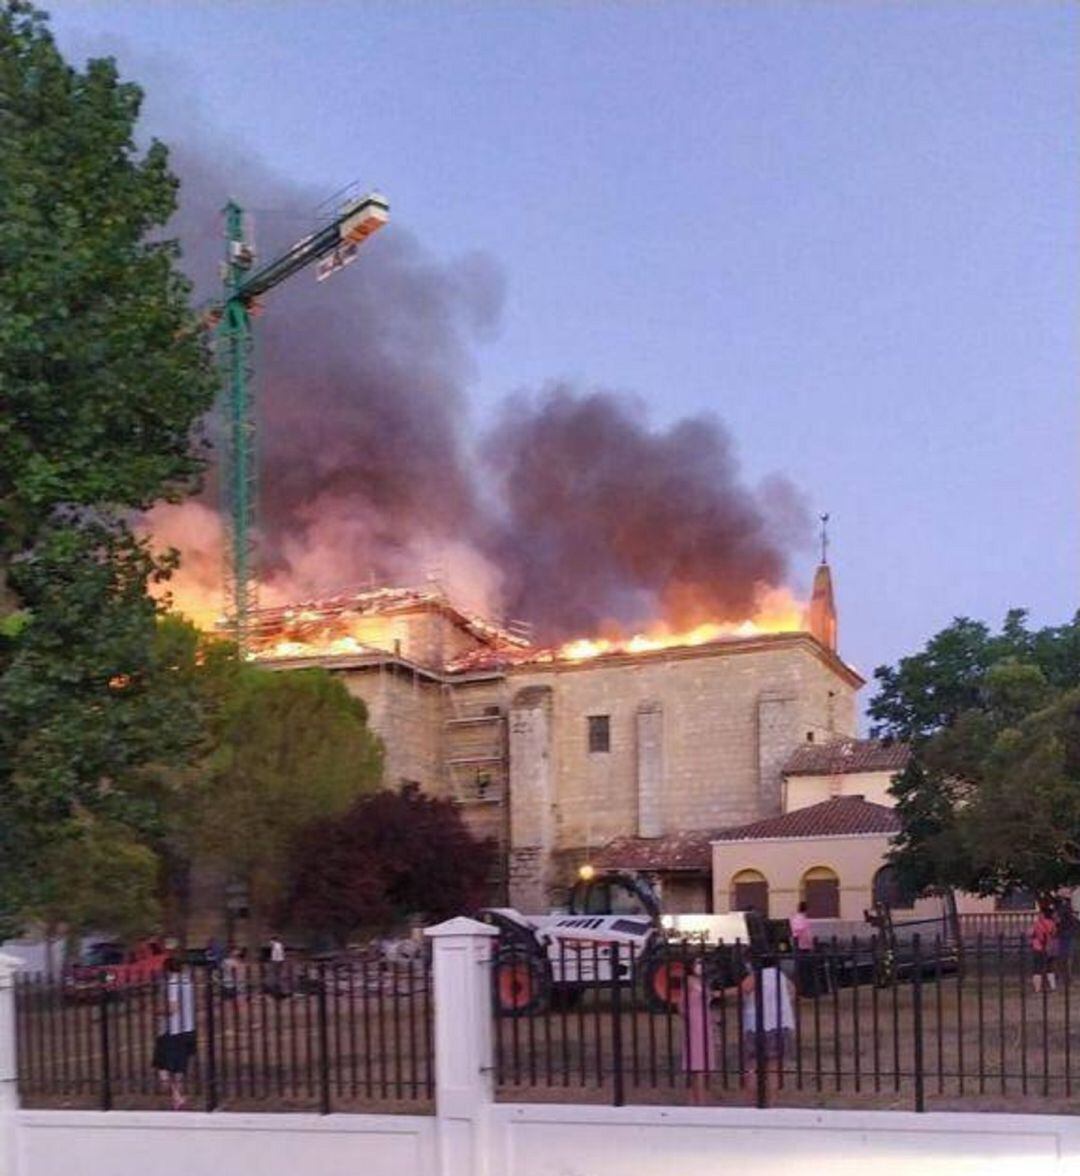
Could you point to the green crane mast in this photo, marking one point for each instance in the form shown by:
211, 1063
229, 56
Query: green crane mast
333, 245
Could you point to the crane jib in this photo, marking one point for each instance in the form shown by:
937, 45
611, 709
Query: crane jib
351, 226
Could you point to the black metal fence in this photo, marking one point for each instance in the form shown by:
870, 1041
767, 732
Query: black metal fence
926, 1024
354, 1035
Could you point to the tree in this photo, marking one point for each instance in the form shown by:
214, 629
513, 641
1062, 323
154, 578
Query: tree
103, 374
931, 689
171, 800
990, 800
290, 748
97, 877
392, 855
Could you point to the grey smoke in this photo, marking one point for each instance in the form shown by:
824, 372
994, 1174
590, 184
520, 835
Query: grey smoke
370, 468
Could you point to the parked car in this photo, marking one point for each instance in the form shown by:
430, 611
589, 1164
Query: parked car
110, 967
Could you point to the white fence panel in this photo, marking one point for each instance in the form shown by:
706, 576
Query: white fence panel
133, 1143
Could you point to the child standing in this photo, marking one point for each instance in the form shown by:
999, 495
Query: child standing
698, 1038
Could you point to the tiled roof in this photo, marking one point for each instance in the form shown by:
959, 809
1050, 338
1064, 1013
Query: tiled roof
847, 755
842, 816
676, 851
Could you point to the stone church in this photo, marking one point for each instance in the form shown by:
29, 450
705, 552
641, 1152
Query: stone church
557, 757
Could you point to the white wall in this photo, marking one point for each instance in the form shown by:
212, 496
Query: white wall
130, 1143
549, 1140
539, 1140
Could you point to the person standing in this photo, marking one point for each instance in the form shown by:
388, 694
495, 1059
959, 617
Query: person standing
276, 955
1044, 943
693, 997
1066, 933
802, 938
175, 1042
775, 1036
801, 930
231, 972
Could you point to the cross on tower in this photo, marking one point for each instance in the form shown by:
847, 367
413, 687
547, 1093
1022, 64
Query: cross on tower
824, 537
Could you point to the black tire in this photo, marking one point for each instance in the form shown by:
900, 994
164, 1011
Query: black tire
660, 974
521, 984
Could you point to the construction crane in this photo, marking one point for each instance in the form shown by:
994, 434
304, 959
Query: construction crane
331, 247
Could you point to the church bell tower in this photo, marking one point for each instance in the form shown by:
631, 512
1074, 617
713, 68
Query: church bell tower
822, 616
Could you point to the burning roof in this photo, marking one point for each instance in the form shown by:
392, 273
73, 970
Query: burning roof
363, 622
397, 621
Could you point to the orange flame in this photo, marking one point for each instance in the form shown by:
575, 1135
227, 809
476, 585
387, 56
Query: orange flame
776, 611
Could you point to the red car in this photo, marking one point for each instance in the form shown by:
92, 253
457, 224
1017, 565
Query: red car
109, 967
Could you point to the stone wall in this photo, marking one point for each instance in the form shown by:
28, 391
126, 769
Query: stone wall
697, 741
727, 720
405, 711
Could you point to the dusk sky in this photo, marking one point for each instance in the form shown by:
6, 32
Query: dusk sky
851, 231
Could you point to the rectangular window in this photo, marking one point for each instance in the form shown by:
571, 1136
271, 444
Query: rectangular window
599, 733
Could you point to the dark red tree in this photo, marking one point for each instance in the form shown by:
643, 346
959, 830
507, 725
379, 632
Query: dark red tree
392, 855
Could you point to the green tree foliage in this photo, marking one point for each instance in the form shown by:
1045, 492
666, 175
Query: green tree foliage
392, 855
97, 877
289, 748
991, 798
195, 675
103, 375
931, 689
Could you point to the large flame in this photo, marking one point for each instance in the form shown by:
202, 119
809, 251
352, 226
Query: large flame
361, 624
776, 611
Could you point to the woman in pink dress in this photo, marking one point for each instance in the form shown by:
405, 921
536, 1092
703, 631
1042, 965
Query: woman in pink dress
698, 1041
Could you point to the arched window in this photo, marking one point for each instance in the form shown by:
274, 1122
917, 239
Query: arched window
750, 892
888, 890
820, 891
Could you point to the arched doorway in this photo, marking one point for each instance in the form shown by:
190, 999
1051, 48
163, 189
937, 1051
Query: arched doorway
820, 891
750, 892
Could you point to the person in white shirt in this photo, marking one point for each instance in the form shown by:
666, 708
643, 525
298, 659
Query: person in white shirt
777, 1020
175, 1042
276, 957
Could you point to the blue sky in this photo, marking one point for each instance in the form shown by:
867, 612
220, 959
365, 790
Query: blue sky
852, 231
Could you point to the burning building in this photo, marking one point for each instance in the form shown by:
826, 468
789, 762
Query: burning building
558, 751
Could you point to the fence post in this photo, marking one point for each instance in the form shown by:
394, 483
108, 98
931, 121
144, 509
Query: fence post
917, 1019
464, 1057
761, 1097
619, 1093
9, 1071
106, 1049
211, 1042
324, 1042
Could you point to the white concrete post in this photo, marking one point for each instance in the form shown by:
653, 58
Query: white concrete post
464, 1054
9, 1092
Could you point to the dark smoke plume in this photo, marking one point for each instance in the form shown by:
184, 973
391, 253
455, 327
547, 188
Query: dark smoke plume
368, 471
361, 390
606, 520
